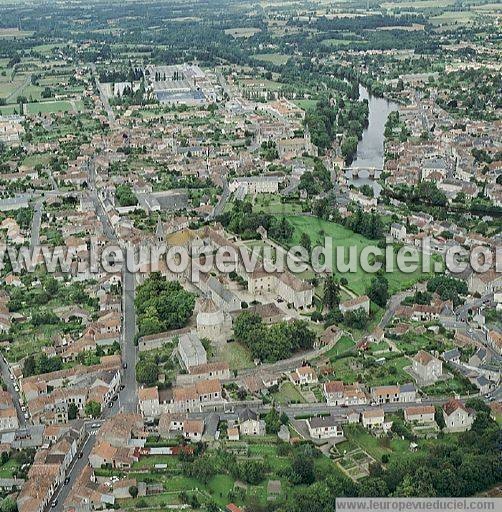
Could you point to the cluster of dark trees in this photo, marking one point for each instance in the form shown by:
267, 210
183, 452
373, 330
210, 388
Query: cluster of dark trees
321, 121
448, 288
124, 74
242, 220
378, 291
125, 196
316, 181
369, 225
41, 363
425, 193
272, 343
162, 305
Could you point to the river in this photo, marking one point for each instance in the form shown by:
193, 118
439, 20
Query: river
370, 152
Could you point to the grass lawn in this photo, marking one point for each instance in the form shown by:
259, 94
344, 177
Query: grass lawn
274, 58
381, 346
288, 393
237, 356
53, 106
389, 373
344, 344
37, 158
242, 31
345, 370
150, 461
453, 386
412, 342
454, 18
9, 109
342, 238
7, 469
335, 43
305, 104
220, 485
376, 447
271, 203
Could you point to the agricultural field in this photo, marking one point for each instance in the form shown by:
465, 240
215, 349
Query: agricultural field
358, 281
49, 107
351, 369
222, 486
14, 33
236, 355
273, 58
288, 393
242, 32
272, 203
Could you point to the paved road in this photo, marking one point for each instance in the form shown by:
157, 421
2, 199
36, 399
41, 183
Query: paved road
218, 209
292, 186
129, 396
463, 310
104, 99
77, 466
9, 385
394, 303
322, 408
336, 410
35, 224
17, 91
224, 85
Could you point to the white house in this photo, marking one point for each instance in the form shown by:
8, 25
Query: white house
457, 417
324, 427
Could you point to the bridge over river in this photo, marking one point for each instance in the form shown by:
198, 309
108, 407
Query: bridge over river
363, 172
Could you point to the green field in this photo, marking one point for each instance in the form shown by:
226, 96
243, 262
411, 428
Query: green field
271, 203
453, 18
274, 58
48, 107
242, 31
344, 344
358, 281
305, 104
237, 356
288, 394
417, 4
336, 43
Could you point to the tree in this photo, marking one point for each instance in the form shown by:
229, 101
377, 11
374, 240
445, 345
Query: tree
92, 409
8, 505
147, 372
305, 242
349, 148
252, 471
302, 467
331, 297
133, 491
72, 411
162, 305
357, 319
272, 421
29, 366
379, 291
